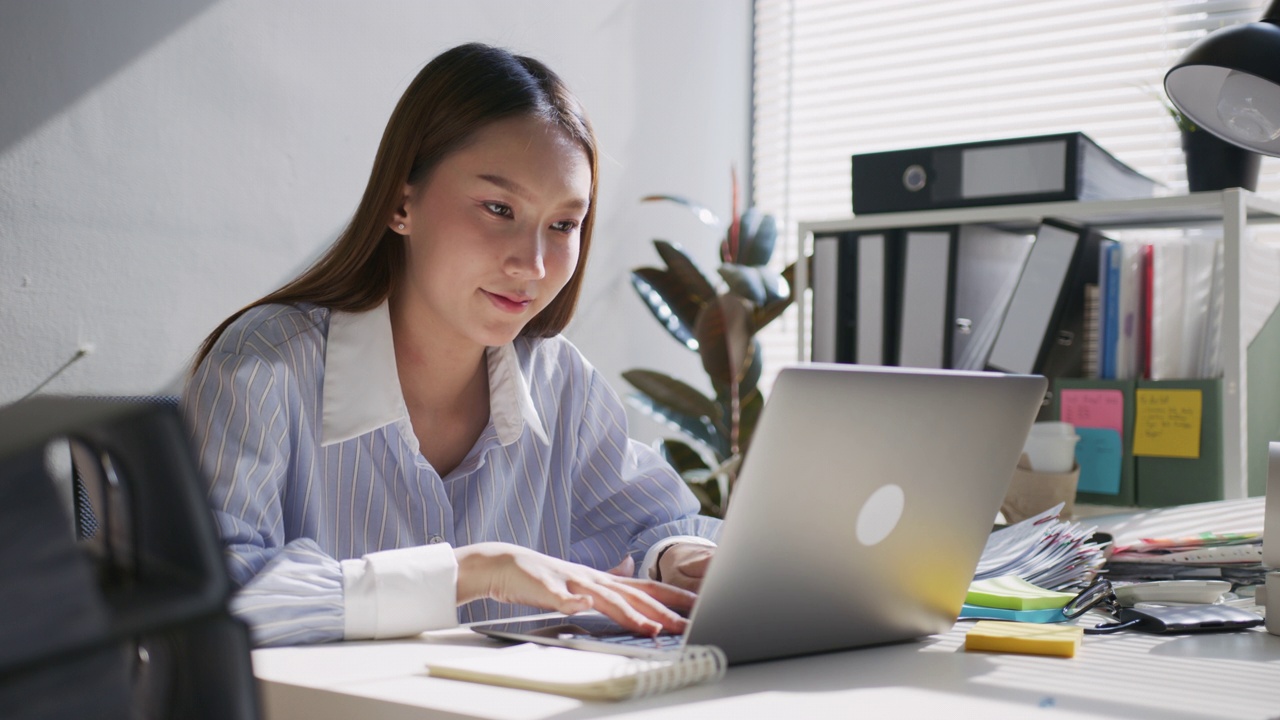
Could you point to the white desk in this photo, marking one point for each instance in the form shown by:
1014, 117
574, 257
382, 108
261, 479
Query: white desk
1129, 675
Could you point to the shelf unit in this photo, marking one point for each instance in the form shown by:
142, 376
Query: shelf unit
1233, 211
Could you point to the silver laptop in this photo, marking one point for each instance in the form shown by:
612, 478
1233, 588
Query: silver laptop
861, 512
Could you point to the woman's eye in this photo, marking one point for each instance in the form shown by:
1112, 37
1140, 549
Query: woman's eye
564, 226
498, 209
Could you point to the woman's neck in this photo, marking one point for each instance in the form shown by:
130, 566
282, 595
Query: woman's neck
445, 386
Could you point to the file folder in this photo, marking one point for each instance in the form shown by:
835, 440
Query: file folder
1165, 481
1091, 404
989, 261
1046, 168
1043, 331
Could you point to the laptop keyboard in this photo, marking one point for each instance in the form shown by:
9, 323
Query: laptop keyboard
661, 642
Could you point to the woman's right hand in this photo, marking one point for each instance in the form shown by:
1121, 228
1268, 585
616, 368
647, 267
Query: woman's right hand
514, 574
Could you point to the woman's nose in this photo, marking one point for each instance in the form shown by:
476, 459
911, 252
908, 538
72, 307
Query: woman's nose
525, 256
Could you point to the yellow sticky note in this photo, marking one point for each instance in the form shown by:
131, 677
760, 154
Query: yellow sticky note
1166, 423
1025, 638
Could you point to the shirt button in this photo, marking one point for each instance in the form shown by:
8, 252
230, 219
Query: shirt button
435, 539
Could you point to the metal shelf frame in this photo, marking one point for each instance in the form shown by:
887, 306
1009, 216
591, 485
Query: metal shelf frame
1232, 210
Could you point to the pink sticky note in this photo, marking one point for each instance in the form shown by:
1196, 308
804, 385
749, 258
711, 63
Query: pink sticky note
1093, 409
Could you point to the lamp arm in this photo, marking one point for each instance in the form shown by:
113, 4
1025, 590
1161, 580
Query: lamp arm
1272, 13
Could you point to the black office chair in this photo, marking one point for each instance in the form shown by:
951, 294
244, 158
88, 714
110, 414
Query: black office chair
132, 621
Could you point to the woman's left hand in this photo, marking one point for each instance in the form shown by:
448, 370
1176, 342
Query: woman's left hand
685, 564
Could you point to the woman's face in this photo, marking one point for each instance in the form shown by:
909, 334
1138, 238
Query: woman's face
492, 235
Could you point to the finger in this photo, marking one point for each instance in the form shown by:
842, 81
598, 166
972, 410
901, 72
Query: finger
614, 606
648, 606
671, 595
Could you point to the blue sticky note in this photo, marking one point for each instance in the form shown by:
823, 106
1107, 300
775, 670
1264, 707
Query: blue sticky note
1099, 455
978, 612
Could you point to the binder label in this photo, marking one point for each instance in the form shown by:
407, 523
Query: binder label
1167, 423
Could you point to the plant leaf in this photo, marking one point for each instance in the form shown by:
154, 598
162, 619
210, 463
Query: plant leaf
662, 293
758, 238
703, 214
725, 339
681, 405
694, 284
683, 458
746, 282
673, 394
708, 494
698, 429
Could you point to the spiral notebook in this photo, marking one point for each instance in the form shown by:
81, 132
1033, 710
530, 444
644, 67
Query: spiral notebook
585, 675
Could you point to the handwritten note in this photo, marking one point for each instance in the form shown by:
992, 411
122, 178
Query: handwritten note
1093, 409
1099, 455
1167, 423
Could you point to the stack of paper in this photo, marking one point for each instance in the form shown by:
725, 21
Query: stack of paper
1228, 555
1045, 551
1188, 542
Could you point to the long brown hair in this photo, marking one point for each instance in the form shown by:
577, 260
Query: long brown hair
452, 97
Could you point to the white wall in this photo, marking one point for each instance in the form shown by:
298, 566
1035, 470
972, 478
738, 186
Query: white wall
164, 162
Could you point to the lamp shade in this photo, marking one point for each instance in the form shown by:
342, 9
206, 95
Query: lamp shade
1229, 83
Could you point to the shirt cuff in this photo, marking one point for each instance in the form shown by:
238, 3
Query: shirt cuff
402, 592
649, 567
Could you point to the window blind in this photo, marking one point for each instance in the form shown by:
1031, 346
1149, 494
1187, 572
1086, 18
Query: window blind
837, 77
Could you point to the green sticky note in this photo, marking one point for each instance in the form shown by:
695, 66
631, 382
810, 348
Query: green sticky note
1013, 593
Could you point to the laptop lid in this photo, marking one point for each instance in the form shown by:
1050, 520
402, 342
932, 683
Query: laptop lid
863, 507
861, 511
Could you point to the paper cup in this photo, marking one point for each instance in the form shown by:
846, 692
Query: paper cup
1051, 447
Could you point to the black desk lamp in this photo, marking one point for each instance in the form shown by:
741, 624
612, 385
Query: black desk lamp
1229, 83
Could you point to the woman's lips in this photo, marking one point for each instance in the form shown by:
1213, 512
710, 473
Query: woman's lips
508, 303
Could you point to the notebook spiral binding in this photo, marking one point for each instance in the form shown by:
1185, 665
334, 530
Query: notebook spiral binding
696, 664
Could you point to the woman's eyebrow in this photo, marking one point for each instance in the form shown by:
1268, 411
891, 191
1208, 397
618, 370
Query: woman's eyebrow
507, 184
520, 191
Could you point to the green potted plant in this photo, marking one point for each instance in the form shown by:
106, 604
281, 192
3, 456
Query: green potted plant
718, 319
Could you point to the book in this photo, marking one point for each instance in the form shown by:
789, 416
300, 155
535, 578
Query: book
584, 674
1026, 638
1109, 289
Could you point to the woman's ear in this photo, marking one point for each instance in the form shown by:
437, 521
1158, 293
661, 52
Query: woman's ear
400, 220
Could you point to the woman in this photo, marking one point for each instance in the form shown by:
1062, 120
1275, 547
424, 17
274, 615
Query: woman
400, 438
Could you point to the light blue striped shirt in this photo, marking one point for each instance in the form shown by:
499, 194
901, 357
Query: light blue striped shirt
300, 426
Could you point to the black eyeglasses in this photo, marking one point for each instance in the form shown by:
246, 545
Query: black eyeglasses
1099, 595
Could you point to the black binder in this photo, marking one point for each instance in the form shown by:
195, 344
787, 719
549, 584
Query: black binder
1043, 331
926, 304
856, 284
1045, 168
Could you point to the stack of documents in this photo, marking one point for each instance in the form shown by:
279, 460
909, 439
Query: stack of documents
1192, 542
1045, 551
1233, 556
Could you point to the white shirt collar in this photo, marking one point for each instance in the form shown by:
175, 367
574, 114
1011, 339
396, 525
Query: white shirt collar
362, 387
